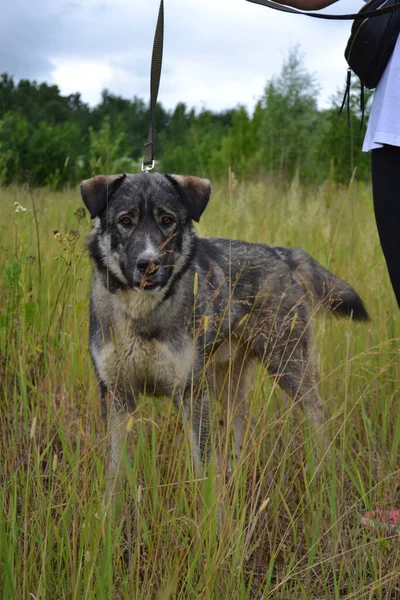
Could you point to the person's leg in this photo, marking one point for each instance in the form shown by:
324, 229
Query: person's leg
386, 191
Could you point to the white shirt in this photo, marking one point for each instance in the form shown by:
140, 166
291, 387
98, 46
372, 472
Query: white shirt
384, 120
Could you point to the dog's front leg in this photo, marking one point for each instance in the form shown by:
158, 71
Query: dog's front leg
117, 433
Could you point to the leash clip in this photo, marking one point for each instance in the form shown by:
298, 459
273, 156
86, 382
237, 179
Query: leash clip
148, 167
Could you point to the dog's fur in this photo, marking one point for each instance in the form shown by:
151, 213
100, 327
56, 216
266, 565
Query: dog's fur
172, 313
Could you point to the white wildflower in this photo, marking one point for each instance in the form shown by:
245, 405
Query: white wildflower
19, 208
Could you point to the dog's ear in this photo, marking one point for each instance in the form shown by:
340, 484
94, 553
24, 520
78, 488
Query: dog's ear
195, 193
96, 191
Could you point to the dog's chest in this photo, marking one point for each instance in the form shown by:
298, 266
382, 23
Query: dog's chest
148, 359
148, 364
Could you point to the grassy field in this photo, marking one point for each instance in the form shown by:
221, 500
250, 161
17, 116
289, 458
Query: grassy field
292, 517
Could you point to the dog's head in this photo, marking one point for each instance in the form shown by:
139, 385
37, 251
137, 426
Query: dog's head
143, 231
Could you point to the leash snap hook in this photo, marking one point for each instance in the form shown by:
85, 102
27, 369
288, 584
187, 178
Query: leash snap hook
147, 166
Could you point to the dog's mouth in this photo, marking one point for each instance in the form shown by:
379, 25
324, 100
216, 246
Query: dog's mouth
147, 285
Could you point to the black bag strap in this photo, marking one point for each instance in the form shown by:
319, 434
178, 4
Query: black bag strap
155, 74
363, 14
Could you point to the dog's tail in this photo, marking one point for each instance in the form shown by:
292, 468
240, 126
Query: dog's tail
327, 290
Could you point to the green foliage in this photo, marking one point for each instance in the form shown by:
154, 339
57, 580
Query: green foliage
190, 139
14, 141
131, 117
240, 147
341, 144
106, 150
52, 153
61, 140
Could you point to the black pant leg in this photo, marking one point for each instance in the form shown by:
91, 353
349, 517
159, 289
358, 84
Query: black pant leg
385, 164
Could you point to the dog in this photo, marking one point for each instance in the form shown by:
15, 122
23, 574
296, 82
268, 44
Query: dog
171, 314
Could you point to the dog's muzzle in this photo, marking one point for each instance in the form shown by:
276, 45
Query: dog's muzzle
147, 277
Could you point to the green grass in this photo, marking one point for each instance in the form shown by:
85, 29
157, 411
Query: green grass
291, 526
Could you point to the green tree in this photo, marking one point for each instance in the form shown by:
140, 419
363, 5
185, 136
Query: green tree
47, 151
290, 124
106, 151
131, 117
14, 139
52, 154
6, 93
190, 139
240, 147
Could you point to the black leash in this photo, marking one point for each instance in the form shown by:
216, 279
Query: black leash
350, 17
156, 59
155, 74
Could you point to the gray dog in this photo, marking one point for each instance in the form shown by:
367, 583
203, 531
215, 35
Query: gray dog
175, 315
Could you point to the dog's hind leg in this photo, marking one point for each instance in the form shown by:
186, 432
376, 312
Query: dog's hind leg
290, 359
195, 404
231, 383
242, 418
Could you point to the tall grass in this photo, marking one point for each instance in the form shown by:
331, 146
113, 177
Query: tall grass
291, 525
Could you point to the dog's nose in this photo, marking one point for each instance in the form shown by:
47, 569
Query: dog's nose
147, 266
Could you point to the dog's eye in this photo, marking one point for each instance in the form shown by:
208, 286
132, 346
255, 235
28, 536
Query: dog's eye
125, 221
166, 220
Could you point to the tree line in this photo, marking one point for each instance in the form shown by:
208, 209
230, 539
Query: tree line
59, 140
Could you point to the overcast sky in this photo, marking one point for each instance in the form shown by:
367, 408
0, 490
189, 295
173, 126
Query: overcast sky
217, 53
